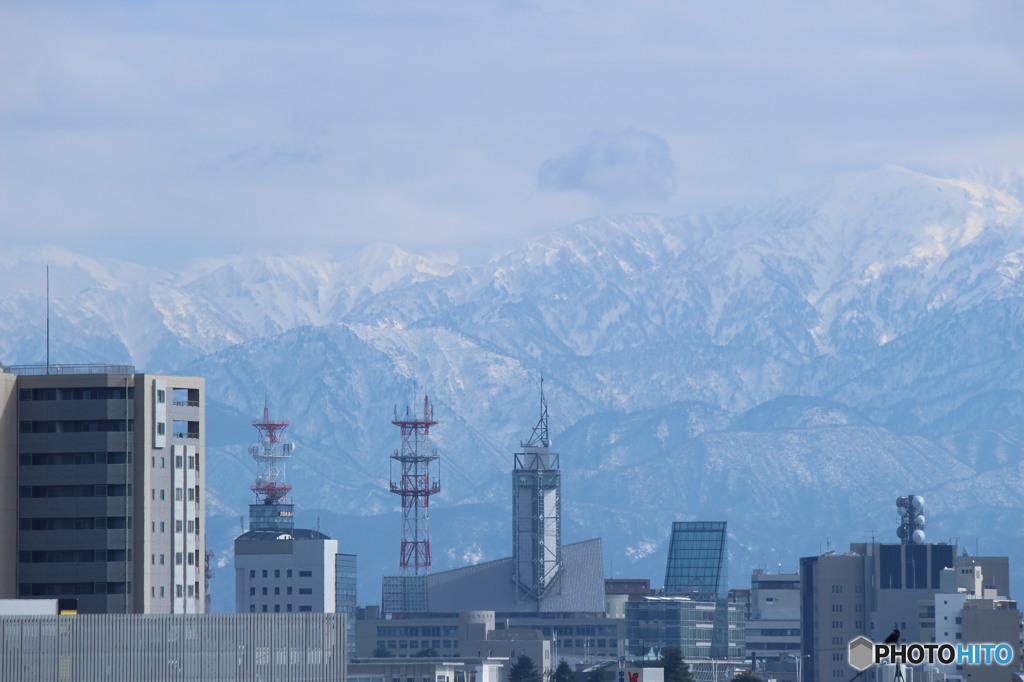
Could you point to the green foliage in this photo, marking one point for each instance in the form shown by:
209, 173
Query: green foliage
676, 669
523, 670
563, 673
427, 653
383, 652
596, 676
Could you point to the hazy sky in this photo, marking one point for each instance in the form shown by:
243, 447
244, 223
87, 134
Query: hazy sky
148, 129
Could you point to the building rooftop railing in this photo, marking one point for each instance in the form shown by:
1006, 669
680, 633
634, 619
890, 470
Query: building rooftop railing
58, 368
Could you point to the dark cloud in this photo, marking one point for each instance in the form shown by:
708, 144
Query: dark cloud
632, 165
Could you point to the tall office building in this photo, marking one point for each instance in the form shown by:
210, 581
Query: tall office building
102, 483
536, 511
697, 567
870, 590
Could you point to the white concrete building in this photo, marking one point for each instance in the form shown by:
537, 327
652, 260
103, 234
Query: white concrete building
285, 571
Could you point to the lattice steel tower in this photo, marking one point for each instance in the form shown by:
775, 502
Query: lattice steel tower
536, 511
273, 510
419, 479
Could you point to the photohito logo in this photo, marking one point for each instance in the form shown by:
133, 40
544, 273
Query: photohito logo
864, 653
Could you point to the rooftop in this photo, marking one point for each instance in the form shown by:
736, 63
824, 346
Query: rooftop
54, 369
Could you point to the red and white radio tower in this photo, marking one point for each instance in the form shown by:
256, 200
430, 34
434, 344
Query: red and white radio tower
272, 453
416, 484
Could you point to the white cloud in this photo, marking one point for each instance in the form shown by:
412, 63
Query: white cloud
331, 124
630, 165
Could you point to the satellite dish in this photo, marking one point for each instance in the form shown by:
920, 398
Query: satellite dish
918, 502
919, 521
918, 537
902, 502
902, 532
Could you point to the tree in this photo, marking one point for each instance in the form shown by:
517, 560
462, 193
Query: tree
563, 673
427, 653
523, 670
382, 652
676, 669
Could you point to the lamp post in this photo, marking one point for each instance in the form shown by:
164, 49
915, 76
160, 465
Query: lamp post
799, 665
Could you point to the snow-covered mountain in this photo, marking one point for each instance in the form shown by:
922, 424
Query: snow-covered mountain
791, 367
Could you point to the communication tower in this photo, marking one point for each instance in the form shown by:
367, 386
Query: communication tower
536, 511
419, 478
911, 528
273, 509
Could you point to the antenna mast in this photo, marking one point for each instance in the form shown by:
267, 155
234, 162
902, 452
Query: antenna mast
273, 509
419, 479
47, 318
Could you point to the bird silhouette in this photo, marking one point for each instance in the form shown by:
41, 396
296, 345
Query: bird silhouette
893, 637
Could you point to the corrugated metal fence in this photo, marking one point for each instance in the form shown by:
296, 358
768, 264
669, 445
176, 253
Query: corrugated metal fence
266, 647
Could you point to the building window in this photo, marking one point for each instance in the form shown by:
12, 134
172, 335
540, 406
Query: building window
177, 526
277, 590
252, 608
289, 590
264, 608
179, 590
264, 573
289, 573
178, 559
277, 573
305, 609
161, 396
289, 608
264, 591
177, 461
277, 608
305, 590
252, 574
305, 574
161, 428
252, 591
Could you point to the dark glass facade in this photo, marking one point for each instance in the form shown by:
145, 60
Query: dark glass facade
697, 560
272, 517
345, 595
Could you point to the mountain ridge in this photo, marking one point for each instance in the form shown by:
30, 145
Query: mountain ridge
700, 366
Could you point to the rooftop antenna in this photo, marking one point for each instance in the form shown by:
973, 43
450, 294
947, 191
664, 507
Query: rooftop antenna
47, 318
872, 533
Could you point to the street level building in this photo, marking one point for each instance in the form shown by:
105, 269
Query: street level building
172, 647
101, 488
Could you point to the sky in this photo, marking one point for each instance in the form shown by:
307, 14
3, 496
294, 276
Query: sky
160, 131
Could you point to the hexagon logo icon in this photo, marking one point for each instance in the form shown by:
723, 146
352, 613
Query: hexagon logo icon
861, 654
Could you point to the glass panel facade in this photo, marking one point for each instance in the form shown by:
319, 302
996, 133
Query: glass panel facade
697, 560
345, 595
